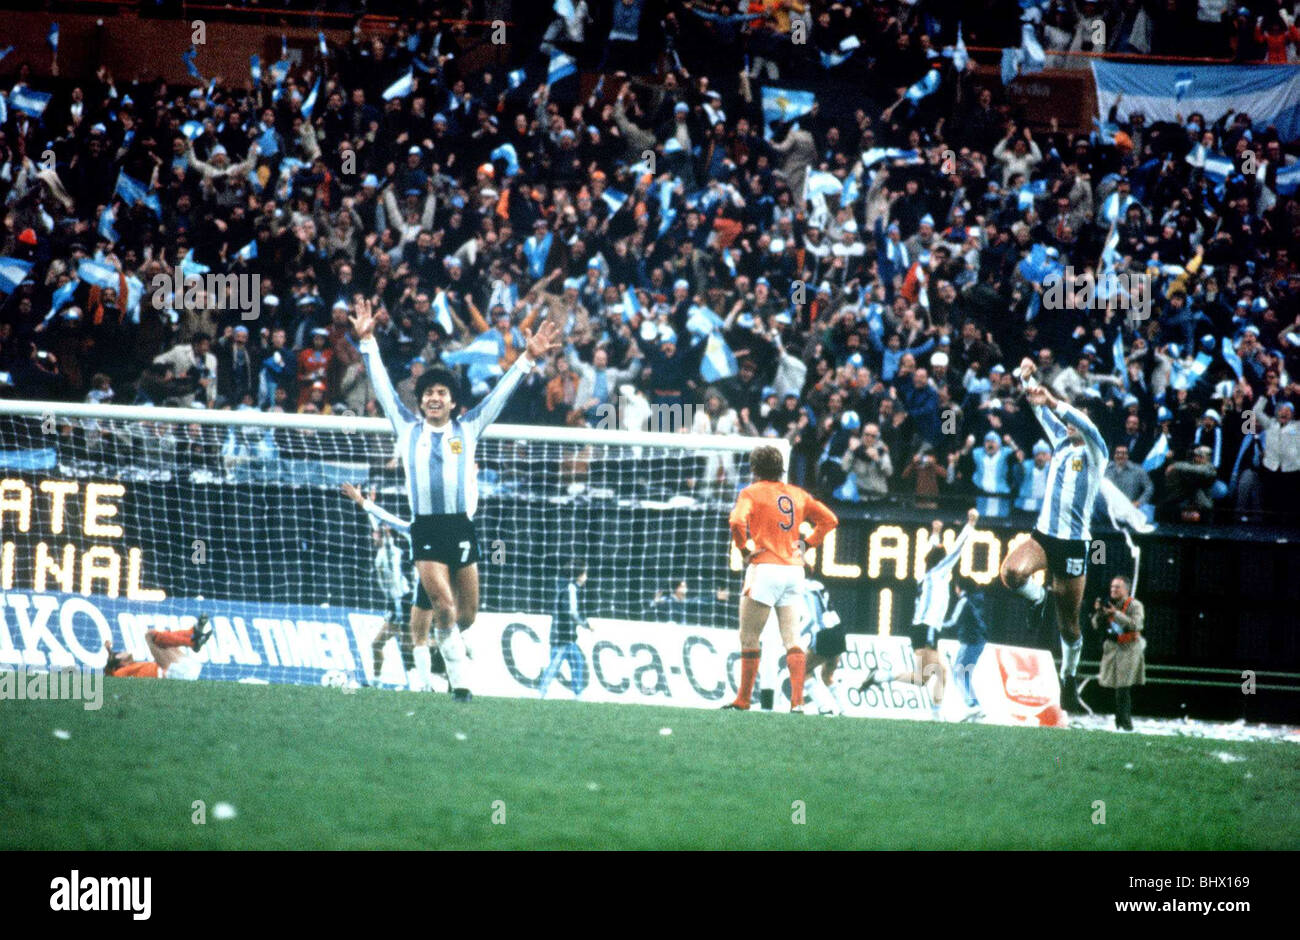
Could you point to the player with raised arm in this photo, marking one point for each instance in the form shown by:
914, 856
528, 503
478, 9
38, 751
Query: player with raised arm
928, 618
390, 572
771, 524
1059, 542
437, 451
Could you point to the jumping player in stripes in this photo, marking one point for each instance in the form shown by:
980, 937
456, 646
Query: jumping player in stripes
1061, 537
767, 524
437, 450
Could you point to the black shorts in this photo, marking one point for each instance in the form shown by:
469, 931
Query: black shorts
829, 642
919, 634
1066, 558
445, 537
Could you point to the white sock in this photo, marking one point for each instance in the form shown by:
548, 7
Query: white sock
1070, 653
837, 693
423, 669
453, 654
1031, 591
821, 696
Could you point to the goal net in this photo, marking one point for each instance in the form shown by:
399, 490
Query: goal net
115, 521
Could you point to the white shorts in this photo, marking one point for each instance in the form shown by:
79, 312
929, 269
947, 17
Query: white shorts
187, 667
774, 585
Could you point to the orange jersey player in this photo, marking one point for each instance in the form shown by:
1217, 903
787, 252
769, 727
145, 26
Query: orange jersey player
772, 524
170, 651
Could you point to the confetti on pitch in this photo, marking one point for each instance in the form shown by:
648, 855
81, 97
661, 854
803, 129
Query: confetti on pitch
461, 736
410, 714
665, 731
61, 734
224, 811
1128, 766
1229, 758
593, 786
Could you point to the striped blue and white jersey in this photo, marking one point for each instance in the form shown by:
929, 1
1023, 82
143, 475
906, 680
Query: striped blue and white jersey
440, 468
1073, 474
391, 563
932, 598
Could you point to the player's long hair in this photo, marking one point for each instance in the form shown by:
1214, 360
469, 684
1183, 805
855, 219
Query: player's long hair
766, 464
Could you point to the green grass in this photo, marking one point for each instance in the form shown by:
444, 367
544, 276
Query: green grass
314, 768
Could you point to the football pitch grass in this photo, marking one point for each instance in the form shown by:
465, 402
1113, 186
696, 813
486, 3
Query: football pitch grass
318, 768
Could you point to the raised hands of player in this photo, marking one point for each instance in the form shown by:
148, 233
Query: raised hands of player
544, 342
1027, 368
363, 321
351, 492
1038, 395
972, 516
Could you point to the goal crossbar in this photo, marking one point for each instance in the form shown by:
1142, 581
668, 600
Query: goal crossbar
355, 424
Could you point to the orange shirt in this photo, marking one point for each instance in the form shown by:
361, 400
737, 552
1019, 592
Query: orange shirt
143, 670
770, 513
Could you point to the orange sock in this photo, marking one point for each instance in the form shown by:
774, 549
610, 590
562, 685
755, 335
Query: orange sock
795, 660
748, 672
166, 638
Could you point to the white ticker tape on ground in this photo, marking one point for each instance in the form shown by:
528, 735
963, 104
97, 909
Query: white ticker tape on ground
61, 734
224, 811
665, 731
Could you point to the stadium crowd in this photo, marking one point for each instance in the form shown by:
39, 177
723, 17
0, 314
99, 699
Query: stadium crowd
862, 279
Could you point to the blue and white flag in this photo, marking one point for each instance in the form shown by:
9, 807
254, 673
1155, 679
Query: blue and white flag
12, 273
5, 51
255, 68
1115, 207
1270, 94
442, 313
928, 85
481, 358
851, 190
1117, 356
719, 361
1026, 194
1230, 356
564, 8
614, 199
309, 105
99, 274
400, 88
631, 305
53, 37
701, 321
1187, 375
191, 129
560, 68
516, 78
133, 191
786, 104
507, 153
1218, 168
322, 45
1288, 180
1033, 59
63, 296
1157, 455
873, 156
106, 220
248, 252
847, 47
820, 183
960, 57
191, 268
190, 66
4, 109
268, 142
29, 101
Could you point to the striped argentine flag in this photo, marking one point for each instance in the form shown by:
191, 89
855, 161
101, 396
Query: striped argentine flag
1157, 455
442, 315
29, 101
400, 88
12, 273
560, 68
1073, 475
719, 361
98, 274
1288, 180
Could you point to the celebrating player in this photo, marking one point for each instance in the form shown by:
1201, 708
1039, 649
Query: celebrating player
391, 575
1059, 542
827, 641
928, 618
437, 450
766, 525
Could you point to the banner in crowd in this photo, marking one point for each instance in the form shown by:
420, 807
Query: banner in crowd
1269, 94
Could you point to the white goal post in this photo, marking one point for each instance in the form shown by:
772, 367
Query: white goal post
154, 515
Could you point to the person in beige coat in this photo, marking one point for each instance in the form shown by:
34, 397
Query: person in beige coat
1123, 656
